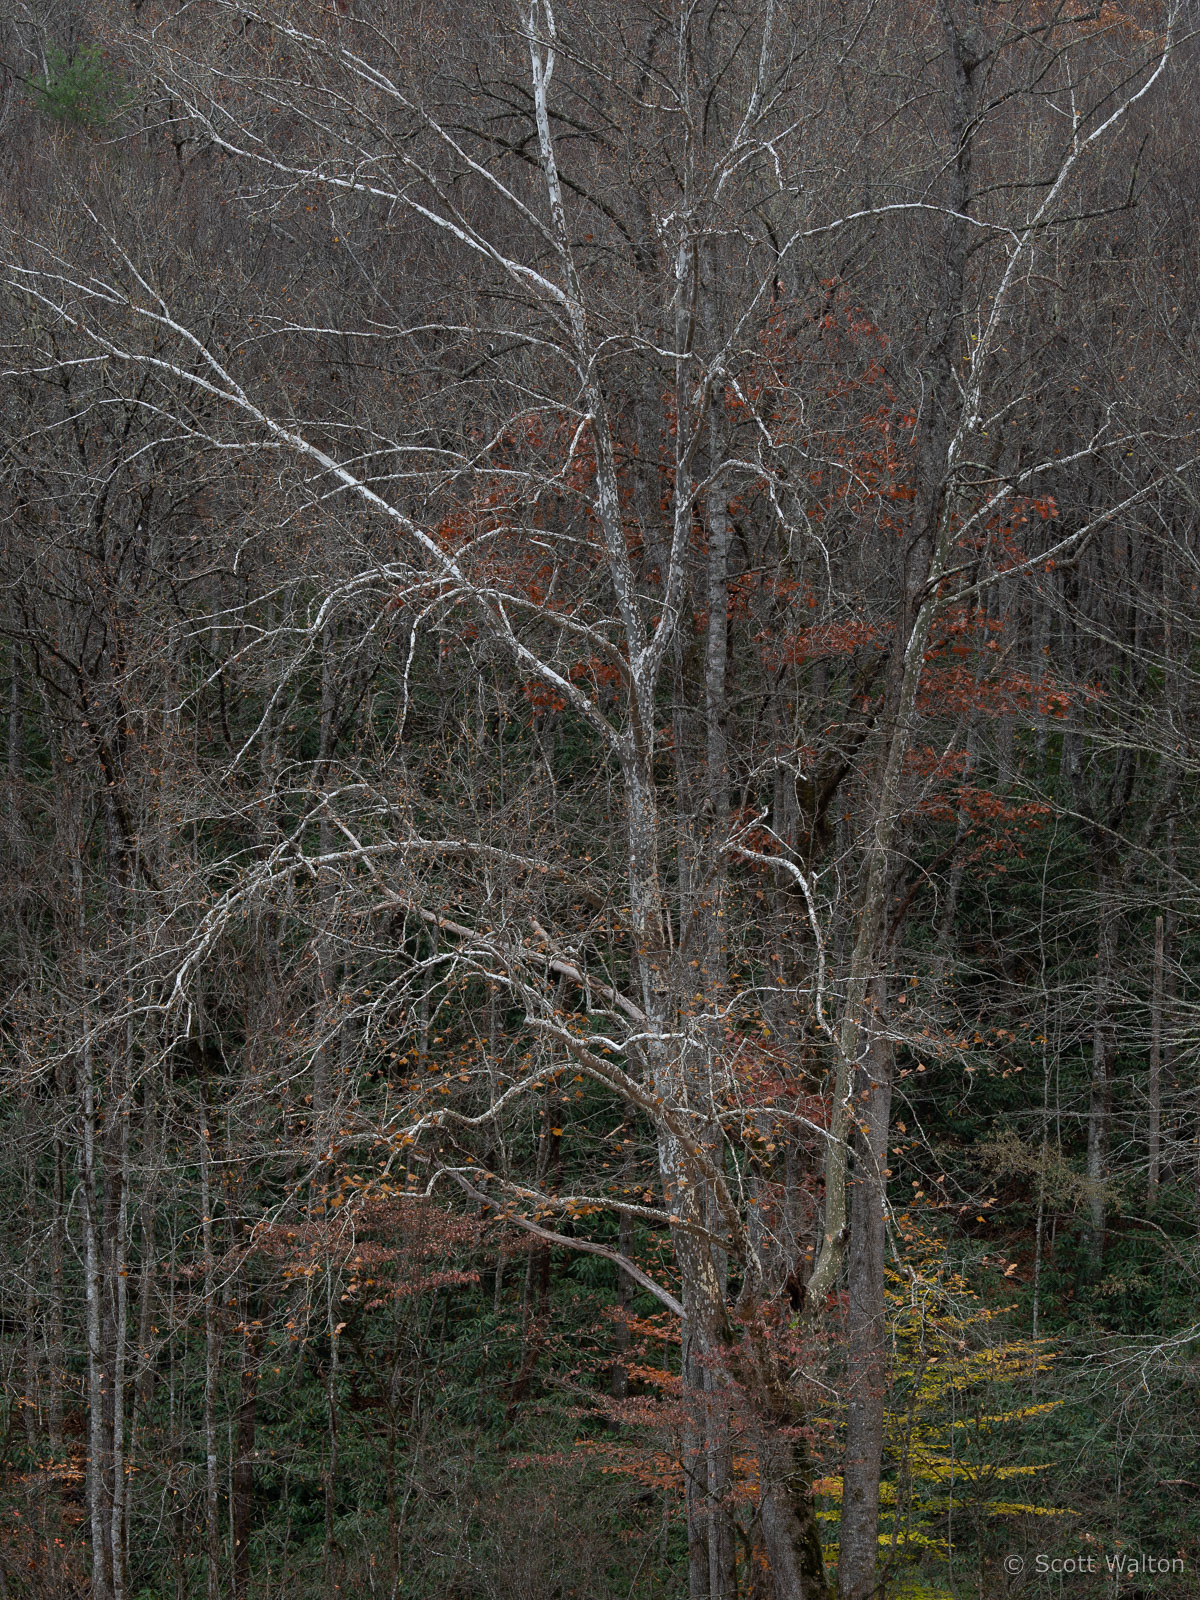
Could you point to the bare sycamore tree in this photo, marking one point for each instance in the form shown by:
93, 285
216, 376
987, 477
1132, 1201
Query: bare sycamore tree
678, 423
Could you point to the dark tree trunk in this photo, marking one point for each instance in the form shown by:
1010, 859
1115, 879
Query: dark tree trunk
866, 1320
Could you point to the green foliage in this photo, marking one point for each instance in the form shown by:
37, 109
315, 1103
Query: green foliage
79, 90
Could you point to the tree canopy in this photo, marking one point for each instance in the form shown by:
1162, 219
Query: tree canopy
599, 614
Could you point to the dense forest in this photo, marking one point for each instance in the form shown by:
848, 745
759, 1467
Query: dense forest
600, 645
